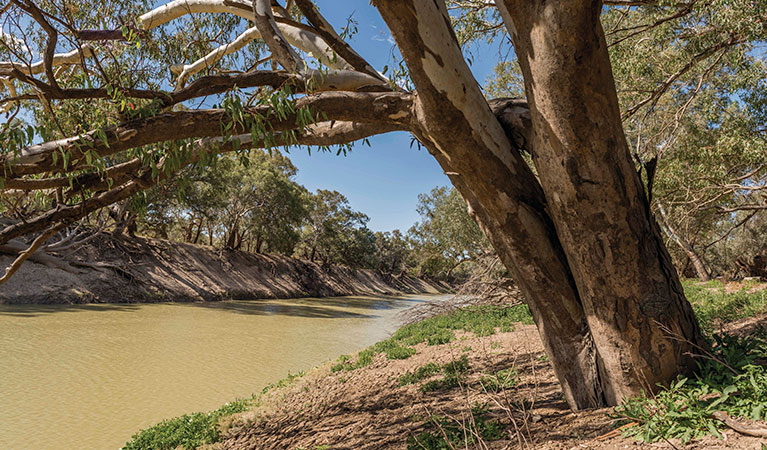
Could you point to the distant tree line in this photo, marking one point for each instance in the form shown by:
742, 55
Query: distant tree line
256, 205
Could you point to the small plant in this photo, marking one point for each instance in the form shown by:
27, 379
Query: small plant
503, 379
188, 431
421, 373
453, 434
287, 381
454, 373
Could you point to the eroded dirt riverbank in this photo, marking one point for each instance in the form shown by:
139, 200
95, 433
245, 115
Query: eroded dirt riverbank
153, 270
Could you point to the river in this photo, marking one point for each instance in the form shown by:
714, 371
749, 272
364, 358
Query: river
89, 376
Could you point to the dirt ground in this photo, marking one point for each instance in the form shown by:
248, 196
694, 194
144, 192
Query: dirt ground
366, 409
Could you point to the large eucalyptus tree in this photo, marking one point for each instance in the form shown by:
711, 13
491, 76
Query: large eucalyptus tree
579, 237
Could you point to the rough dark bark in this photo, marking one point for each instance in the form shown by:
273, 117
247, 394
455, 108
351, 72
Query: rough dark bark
643, 327
460, 130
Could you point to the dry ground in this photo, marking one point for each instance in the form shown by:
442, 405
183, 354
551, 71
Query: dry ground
366, 409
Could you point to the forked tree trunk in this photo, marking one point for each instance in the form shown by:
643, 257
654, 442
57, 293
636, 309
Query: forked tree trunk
456, 124
644, 328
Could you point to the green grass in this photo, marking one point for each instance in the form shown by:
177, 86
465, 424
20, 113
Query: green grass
188, 431
287, 381
733, 380
419, 374
480, 320
454, 374
448, 434
503, 379
711, 303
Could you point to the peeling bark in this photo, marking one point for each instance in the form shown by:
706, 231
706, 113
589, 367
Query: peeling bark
643, 327
460, 130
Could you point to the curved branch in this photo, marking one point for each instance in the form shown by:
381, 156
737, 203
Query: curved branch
390, 107
284, 53
328, 33
23, 256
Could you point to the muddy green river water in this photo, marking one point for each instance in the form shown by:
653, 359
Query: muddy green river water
88, 377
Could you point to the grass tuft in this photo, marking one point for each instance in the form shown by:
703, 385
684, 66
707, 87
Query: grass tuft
451, 434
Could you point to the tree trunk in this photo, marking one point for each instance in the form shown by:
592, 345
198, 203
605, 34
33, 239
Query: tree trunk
700, 266
188, 232
457, 126
199, 231
643, 327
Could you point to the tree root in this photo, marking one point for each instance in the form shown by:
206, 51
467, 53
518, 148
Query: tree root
14, 248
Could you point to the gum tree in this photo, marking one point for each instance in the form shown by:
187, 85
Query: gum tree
578, 237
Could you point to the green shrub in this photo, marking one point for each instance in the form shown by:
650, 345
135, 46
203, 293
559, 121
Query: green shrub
188, 431
733, 379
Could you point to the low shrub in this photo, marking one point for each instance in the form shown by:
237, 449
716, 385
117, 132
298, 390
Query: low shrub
733, 379
188, 431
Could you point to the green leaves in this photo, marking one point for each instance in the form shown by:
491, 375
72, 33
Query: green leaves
684, 409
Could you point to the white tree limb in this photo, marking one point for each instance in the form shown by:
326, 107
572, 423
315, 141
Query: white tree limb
8, 83
300, 38
281, 50
209, 60
59, 59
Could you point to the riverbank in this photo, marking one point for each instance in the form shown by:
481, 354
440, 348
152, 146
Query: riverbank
110, 270
478, 378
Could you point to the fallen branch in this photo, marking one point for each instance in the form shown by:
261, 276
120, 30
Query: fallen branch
24, 255
745, 427
14, 248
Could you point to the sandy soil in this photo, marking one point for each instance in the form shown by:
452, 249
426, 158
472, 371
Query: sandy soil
366, 409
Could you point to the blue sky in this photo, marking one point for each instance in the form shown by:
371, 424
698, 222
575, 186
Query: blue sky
382, 180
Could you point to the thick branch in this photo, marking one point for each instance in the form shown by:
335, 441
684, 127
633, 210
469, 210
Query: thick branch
391, 108
323, 134
328, 33
281, 50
